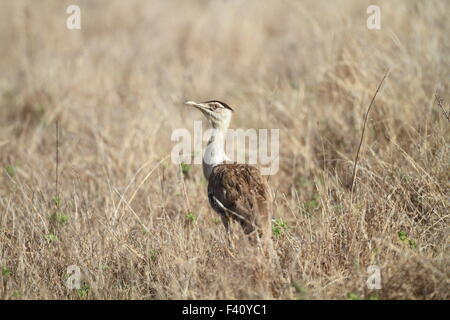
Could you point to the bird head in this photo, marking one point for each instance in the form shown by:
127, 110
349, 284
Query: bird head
218, 113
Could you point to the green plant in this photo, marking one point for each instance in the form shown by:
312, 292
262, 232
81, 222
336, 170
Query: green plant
403, 236
50, 237
300, 182
191, 217
279, 227
102, 268
352, 296
11, 171
16, 294
185, 168
57, 201
313, 203
301, 292
6, 272
144, 229
61, 217
152, 254
83, 291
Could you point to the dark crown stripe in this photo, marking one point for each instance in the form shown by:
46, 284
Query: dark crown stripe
222, 103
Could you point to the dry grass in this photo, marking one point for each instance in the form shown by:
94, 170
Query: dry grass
308, 68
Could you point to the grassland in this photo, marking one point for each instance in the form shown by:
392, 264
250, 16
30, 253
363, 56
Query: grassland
139, 227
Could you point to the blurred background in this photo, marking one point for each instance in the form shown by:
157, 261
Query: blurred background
308, 68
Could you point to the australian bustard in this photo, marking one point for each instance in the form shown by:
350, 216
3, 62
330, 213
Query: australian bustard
235, 191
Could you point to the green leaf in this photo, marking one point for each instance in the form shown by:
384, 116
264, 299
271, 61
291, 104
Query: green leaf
403, 235
352, 296
300, 182
17, 294
102, 267
6, 272
11, 171
191, 217
61, 218
83, 291
278, 228
50, 238
152, 254
301, 292
185, 168
56, 200
312, 204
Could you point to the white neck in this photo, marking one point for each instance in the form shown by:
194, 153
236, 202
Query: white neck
215, 151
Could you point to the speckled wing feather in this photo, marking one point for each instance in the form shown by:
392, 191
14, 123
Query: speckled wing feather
241, 193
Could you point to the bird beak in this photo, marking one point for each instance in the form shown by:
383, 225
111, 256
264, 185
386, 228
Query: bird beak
200, 106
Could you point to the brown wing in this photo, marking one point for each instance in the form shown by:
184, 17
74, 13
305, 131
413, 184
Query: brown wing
241, 193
